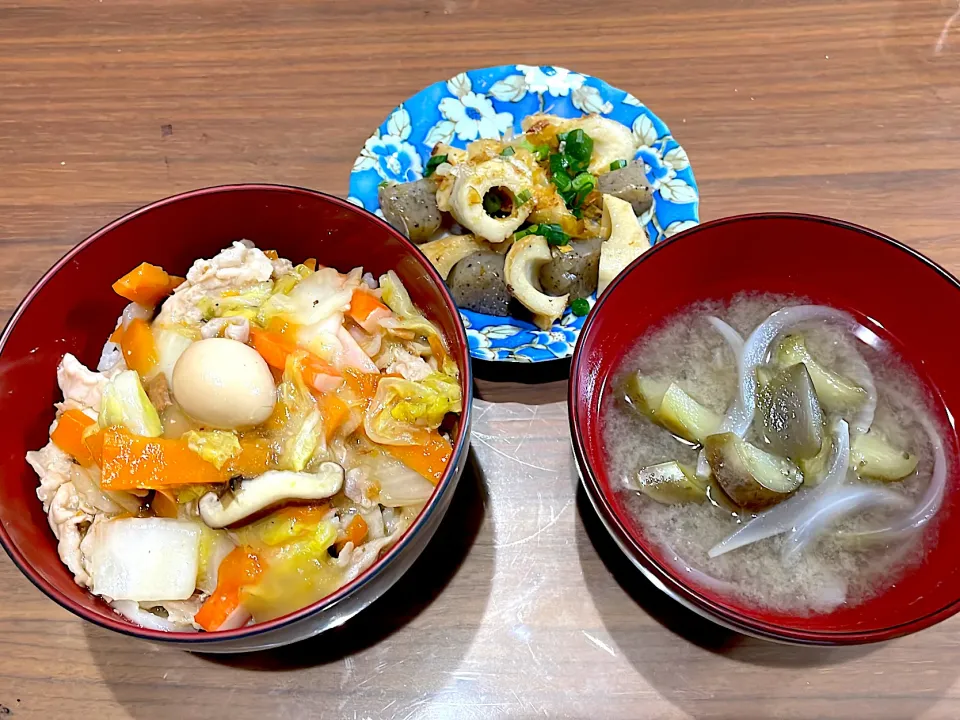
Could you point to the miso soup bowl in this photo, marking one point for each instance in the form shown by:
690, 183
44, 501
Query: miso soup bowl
903, 296
73, 309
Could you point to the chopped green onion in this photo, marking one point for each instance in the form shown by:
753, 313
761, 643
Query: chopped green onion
580, 307
507, 151
617, 164
542, 152
568, 168
559, 164
523, 196
577, 213
383, 184
583, 184
531, 230
562, 181
553, 234
492, 203
433, 163
578, 147
584, 181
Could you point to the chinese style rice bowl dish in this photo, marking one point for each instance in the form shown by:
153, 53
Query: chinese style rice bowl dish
255, 436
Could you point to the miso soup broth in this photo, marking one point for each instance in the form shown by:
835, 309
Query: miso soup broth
830, 472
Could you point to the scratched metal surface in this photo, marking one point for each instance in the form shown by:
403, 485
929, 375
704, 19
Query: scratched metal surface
520, 608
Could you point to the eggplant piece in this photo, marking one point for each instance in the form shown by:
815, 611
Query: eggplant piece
628, 183
477, 283
685, 417
752, 478
719, 499
835, 392
412, 208
872, 457
573, 269
645, 394
815, 469
670, 483
789, 416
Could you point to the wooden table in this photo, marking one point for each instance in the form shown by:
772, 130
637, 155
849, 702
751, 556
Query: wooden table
520, 607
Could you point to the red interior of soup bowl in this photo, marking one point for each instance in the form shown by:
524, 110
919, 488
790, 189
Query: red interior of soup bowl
900, 294
73, 309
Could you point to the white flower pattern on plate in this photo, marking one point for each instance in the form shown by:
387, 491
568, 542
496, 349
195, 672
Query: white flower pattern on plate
554, 80
473, 117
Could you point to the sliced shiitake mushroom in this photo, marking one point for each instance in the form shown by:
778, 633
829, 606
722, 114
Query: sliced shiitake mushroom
249, 497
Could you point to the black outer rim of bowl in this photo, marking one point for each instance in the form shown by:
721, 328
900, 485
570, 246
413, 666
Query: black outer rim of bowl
663, 577
445, 485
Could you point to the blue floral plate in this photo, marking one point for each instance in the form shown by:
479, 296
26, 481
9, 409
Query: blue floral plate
485, 104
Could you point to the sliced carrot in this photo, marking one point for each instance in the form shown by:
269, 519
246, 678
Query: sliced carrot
240, 568
69, 433
310, 264
334, 412
271, 347
164, 504
275, 347
272, 254
320, 375
131, 462
283, 327
139, 348
438, 350
430, 460
278, 418
117, 334
255, 458
355, 532
364, 385
362, 304
93, 440
306, 514
146, 284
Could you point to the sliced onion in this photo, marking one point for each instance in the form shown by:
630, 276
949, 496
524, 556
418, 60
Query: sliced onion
733, 338
862, 421
831, 507
755, 349
686, 569
146, 619
932, 498
735, 341
783, 517
738, 408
